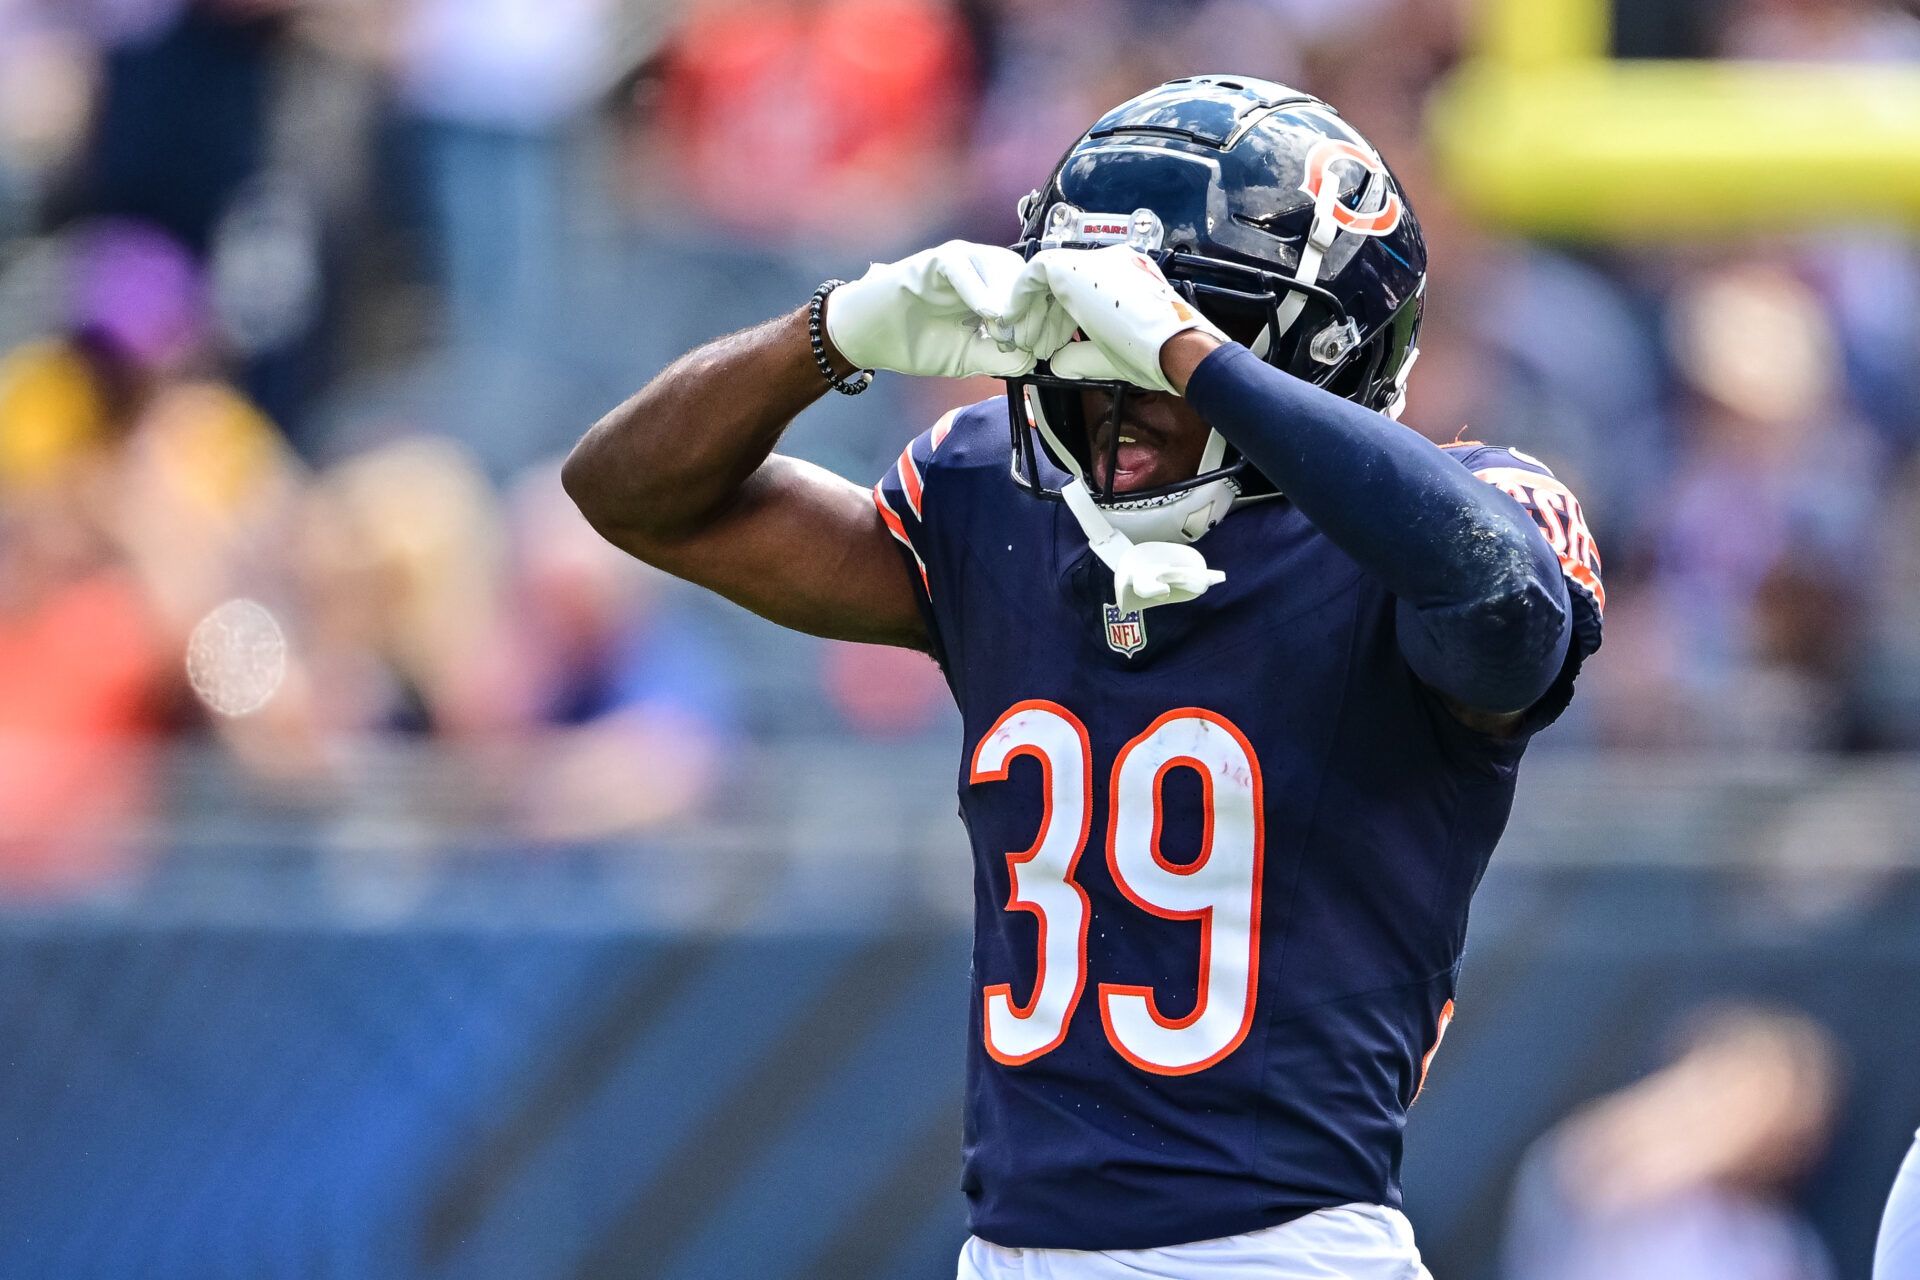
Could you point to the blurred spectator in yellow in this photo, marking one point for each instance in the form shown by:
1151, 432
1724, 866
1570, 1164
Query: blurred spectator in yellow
135, 317
54, 408
1687, 1174
626, 698
183, 474
398, 559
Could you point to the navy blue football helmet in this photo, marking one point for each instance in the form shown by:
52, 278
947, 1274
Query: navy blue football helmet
1271, 215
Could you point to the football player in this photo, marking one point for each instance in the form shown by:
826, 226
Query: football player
1246, 669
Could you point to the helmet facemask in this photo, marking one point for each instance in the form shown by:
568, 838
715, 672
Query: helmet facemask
1271, 216
1051, 433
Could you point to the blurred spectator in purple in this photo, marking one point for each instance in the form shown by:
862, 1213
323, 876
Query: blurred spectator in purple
1688, 1175
1763, 545
1870, 277
128, 396
180, 134
86, 640
134, 317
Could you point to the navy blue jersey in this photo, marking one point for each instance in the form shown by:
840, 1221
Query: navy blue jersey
1223, 854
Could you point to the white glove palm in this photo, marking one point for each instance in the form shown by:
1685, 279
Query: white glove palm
926, 316
1122, 303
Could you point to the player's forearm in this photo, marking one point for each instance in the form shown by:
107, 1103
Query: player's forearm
1484, 614
674, 456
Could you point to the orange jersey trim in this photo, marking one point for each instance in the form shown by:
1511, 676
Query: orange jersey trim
898, 528
910, 482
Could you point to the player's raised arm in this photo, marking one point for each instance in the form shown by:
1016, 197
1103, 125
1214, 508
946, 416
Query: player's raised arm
683, 475
1484, 617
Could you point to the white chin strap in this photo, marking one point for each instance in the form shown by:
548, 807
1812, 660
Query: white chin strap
1320, 238
1398, 405
1152, 573
1145, 574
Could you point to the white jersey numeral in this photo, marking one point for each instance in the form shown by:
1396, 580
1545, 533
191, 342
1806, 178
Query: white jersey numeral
1042, 876
1219, 886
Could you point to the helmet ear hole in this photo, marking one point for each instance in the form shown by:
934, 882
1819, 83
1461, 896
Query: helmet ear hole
1346, 381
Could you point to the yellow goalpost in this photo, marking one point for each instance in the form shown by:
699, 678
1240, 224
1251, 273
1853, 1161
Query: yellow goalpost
1542, 131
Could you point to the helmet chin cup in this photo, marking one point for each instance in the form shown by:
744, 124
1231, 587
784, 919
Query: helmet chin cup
1146, 571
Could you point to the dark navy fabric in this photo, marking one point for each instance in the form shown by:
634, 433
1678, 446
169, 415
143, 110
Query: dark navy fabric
1380, 813
1483, 608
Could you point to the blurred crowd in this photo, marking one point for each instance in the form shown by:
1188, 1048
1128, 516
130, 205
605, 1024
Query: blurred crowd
300, 301
1691, 1172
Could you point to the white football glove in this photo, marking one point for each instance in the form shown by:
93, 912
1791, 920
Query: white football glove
928, 315
1120, 302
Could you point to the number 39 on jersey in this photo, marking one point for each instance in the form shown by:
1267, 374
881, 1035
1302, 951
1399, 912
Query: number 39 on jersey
1218, 888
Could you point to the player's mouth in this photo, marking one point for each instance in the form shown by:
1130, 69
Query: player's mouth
1159, 441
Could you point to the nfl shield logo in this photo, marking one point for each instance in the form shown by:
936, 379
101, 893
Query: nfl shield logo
1126, 632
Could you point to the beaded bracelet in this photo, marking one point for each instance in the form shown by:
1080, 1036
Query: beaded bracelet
817, 335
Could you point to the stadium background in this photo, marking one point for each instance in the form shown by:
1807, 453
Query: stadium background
550, 920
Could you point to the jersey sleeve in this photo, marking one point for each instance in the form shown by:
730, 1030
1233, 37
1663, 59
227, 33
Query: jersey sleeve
1532, 484
908, 512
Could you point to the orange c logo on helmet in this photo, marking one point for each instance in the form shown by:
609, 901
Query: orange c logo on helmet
1320, 162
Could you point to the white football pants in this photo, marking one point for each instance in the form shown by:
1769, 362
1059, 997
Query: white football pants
1353, 1242
1898, 1257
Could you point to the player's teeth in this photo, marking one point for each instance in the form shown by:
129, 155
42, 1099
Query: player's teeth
1127, 440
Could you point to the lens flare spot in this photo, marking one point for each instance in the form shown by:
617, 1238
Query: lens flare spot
237, 657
